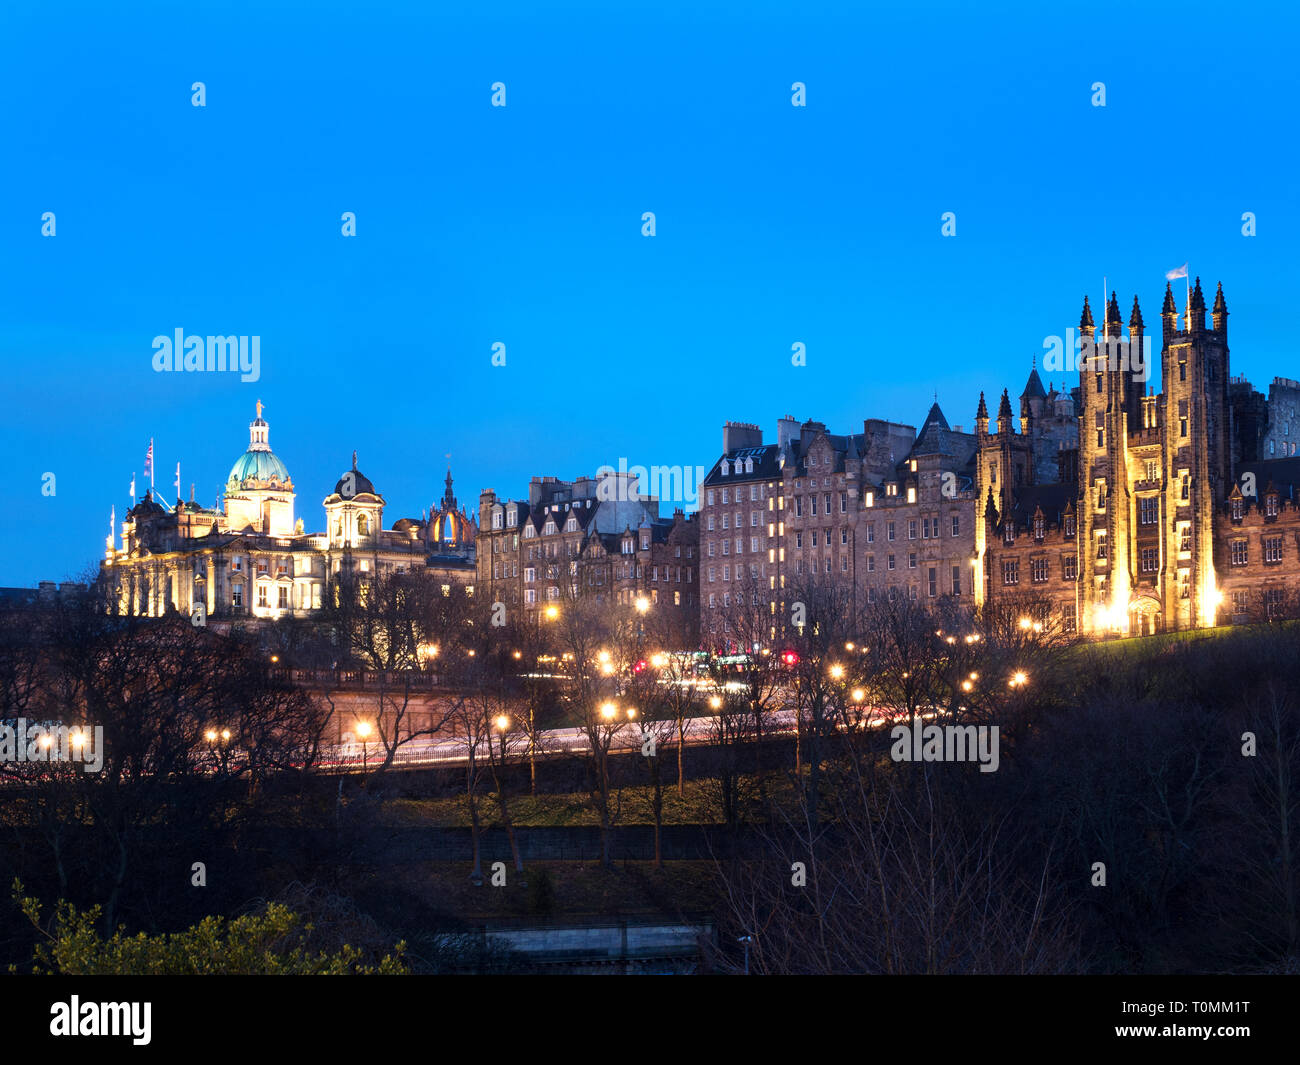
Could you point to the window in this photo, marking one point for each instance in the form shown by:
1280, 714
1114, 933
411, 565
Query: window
911, 560
1237, 508
1270, 505
812, 503
237, 595
1273, 602
1186, 478
726, 573
1069, 525
1038, 570
1069, 619
1011, 571
726, 498
1272, 549
911, 529
798, 506
814, 539
932, 581
956, 580
889, 530
1070, 567
871, 563
283, 599
708, 499
1184, 584
1150, 559
891, 562
753, 544
798, 539
844, 502
1148, 510
1040, 526
1240, 552
871, 532
1185, 536
956, 525
261, 596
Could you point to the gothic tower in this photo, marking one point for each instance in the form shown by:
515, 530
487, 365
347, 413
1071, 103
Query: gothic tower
1197, 455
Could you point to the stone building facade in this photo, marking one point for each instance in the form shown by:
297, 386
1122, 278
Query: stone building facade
1164, 514
886, 513
597, 537
250, 559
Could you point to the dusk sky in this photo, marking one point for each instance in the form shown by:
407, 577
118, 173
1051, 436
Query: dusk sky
522, 225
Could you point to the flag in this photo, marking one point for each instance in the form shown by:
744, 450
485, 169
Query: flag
148, 460
178, 480
1176, 273
133, 489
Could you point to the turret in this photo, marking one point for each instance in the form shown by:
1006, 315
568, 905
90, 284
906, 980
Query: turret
1219, 316
1196, 309
1169, 314
1005, 423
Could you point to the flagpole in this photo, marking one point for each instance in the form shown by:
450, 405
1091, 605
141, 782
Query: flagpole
151, 465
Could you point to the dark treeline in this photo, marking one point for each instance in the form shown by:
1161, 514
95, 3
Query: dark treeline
1140, 819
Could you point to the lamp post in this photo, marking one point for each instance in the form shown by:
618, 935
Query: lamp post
363, 730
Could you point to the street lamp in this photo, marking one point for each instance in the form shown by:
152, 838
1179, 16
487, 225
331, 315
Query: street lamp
552, 612
363, 730
837, 672
502, 722
642, 604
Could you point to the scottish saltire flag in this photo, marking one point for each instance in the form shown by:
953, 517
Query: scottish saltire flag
1174, 274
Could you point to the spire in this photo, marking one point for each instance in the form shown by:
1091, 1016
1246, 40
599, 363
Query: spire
1112, 312
1085, 319
1219, 316
1196, 308
1169, 307
1004, 408
1135, 319
983, 409
354, 459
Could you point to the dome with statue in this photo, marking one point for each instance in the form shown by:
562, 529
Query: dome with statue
259, 466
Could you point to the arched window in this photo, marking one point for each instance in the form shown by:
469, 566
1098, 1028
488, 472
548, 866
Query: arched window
363, 525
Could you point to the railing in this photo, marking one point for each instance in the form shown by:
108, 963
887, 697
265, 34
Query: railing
358, 678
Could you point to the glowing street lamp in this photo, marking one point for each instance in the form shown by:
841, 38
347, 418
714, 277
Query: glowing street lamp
837, 672
858, 695
642, 604
552, 612
502, 723
608, 711
1018, 679
364, 730
715, 702
211, 735
659, 661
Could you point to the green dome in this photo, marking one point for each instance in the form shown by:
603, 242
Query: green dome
257, 465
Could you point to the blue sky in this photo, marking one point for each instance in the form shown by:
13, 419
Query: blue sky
522, 225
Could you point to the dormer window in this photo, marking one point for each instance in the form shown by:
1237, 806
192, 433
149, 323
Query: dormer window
1270, 505
1009, 532
1236, 510
512, 516
1040, 527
